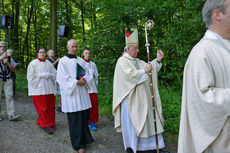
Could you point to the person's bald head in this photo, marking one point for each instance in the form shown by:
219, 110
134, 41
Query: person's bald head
72, 46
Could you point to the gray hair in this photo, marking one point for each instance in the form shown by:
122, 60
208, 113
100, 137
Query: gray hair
9, 50
209, 7
125, 48
3, 42
68, 43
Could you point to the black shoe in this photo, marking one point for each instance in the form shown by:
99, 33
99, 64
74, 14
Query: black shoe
160, 151
48, 130
58, 109
129, 150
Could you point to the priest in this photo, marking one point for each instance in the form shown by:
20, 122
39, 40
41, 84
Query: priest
132, 103
205, 110
72, 76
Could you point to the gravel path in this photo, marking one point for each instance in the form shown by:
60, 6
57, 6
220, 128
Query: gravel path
25, 136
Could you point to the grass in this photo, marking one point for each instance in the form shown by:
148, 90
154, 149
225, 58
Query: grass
105, 96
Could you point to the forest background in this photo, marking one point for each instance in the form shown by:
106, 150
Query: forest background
100, 25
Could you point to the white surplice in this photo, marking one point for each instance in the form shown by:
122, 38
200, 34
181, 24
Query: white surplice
38, 85
93, 83
74, 97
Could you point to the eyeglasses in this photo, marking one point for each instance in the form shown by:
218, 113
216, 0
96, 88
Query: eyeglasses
2, 46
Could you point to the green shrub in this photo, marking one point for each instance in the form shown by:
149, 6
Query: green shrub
171, 105
21, 83
105, 96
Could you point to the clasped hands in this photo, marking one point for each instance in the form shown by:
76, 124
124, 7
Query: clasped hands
81, 81
45, 75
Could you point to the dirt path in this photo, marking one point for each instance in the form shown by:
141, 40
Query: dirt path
25, 136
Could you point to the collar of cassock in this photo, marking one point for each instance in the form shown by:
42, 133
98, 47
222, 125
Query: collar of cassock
87, 60
41, 60
71, 56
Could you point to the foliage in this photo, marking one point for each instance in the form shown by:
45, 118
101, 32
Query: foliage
105, 97
21, 83
171, 100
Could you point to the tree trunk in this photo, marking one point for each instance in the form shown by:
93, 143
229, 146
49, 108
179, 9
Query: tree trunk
26, 45
16, 21
11, 33
68, 18
35, 29
82, 20
3, 7
53, 25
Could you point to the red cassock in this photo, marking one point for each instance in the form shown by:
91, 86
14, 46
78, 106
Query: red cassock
94, 109
45, 106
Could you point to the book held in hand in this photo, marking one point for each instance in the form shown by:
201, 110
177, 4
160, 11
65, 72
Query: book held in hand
80, 72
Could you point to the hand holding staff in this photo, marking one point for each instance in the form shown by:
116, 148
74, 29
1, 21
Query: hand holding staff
149, 25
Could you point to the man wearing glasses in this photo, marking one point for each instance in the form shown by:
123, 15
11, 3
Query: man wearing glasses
6, 83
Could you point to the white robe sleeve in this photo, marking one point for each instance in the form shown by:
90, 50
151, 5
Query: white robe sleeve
53, 73
88, 77
64, 79
32, 77
205, 84
144, 77
159, 65
96, 75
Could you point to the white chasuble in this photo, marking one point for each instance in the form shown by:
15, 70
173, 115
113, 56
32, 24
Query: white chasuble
127, 74
206, 95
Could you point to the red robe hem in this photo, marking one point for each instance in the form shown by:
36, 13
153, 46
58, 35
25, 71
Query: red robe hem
94, 109
45, 107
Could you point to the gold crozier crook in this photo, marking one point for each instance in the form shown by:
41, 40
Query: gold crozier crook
148, 26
